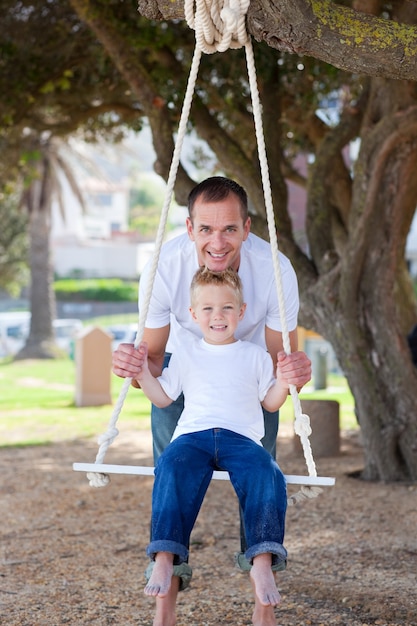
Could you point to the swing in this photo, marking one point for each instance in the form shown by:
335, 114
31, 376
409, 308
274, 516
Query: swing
216, 30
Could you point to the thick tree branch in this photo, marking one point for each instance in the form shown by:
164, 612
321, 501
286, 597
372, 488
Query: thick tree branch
390, 155
349, 39
330, 190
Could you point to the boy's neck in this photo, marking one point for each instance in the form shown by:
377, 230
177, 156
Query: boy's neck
220, 343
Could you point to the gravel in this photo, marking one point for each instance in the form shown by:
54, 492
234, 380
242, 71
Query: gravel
72, 554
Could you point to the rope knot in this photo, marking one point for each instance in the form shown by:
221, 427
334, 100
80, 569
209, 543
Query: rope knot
305, 493
109, 436
302, 425
96, 479
230, 17
218, 24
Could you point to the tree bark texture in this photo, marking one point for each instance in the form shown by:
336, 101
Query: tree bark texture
40, 343
347, 38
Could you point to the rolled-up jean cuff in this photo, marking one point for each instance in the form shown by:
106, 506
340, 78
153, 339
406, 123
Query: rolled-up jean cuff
183, 571
179, 551
244, 565
278, 552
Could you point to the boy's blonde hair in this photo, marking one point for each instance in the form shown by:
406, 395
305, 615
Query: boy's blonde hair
228, 278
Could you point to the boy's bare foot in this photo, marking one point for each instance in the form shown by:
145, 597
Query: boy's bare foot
160, 580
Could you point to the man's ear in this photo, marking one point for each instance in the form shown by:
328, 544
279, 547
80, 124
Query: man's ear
246, 228
190, 229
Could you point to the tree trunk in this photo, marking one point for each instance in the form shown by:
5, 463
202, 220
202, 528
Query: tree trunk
40, 343
355, 303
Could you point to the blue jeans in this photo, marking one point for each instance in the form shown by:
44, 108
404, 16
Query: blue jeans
183, 474
164, 421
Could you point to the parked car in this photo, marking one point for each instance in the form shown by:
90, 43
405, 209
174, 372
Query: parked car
15, 327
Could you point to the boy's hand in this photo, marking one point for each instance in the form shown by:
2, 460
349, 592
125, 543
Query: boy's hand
143, 352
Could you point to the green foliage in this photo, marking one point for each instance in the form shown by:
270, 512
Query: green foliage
69, 84
13, 243
146, 223
66, 85
146, 201
113, 320
143, 198
98, 289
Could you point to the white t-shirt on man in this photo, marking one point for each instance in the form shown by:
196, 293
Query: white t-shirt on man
223, 386
177, 265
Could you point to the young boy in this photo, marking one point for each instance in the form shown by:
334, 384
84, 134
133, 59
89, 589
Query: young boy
224, 381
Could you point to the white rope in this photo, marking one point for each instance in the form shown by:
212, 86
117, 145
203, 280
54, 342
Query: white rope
218, 26
105, 440
302, 422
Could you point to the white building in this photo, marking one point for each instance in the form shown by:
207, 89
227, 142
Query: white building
92, 258
97, 242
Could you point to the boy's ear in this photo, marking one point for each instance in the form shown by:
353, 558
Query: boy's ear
242, 311
193, 315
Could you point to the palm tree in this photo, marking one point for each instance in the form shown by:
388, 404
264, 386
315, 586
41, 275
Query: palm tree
45, 167
13, 241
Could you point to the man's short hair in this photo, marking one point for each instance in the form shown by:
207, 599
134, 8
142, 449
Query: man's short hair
216, 189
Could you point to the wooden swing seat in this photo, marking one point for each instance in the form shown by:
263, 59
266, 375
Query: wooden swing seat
144, 470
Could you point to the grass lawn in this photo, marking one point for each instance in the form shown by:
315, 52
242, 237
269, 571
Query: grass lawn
37, 404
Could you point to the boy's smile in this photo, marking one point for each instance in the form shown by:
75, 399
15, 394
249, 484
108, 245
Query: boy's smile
217, 311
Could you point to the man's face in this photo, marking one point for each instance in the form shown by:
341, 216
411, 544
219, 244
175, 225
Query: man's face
218, 230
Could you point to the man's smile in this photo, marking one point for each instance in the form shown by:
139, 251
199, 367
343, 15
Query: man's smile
217, 255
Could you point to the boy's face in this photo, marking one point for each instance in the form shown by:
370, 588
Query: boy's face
218, 230
217, 311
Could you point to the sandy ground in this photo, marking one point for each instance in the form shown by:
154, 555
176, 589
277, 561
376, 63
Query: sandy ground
73, 554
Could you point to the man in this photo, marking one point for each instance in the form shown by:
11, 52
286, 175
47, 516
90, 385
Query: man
218, 237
